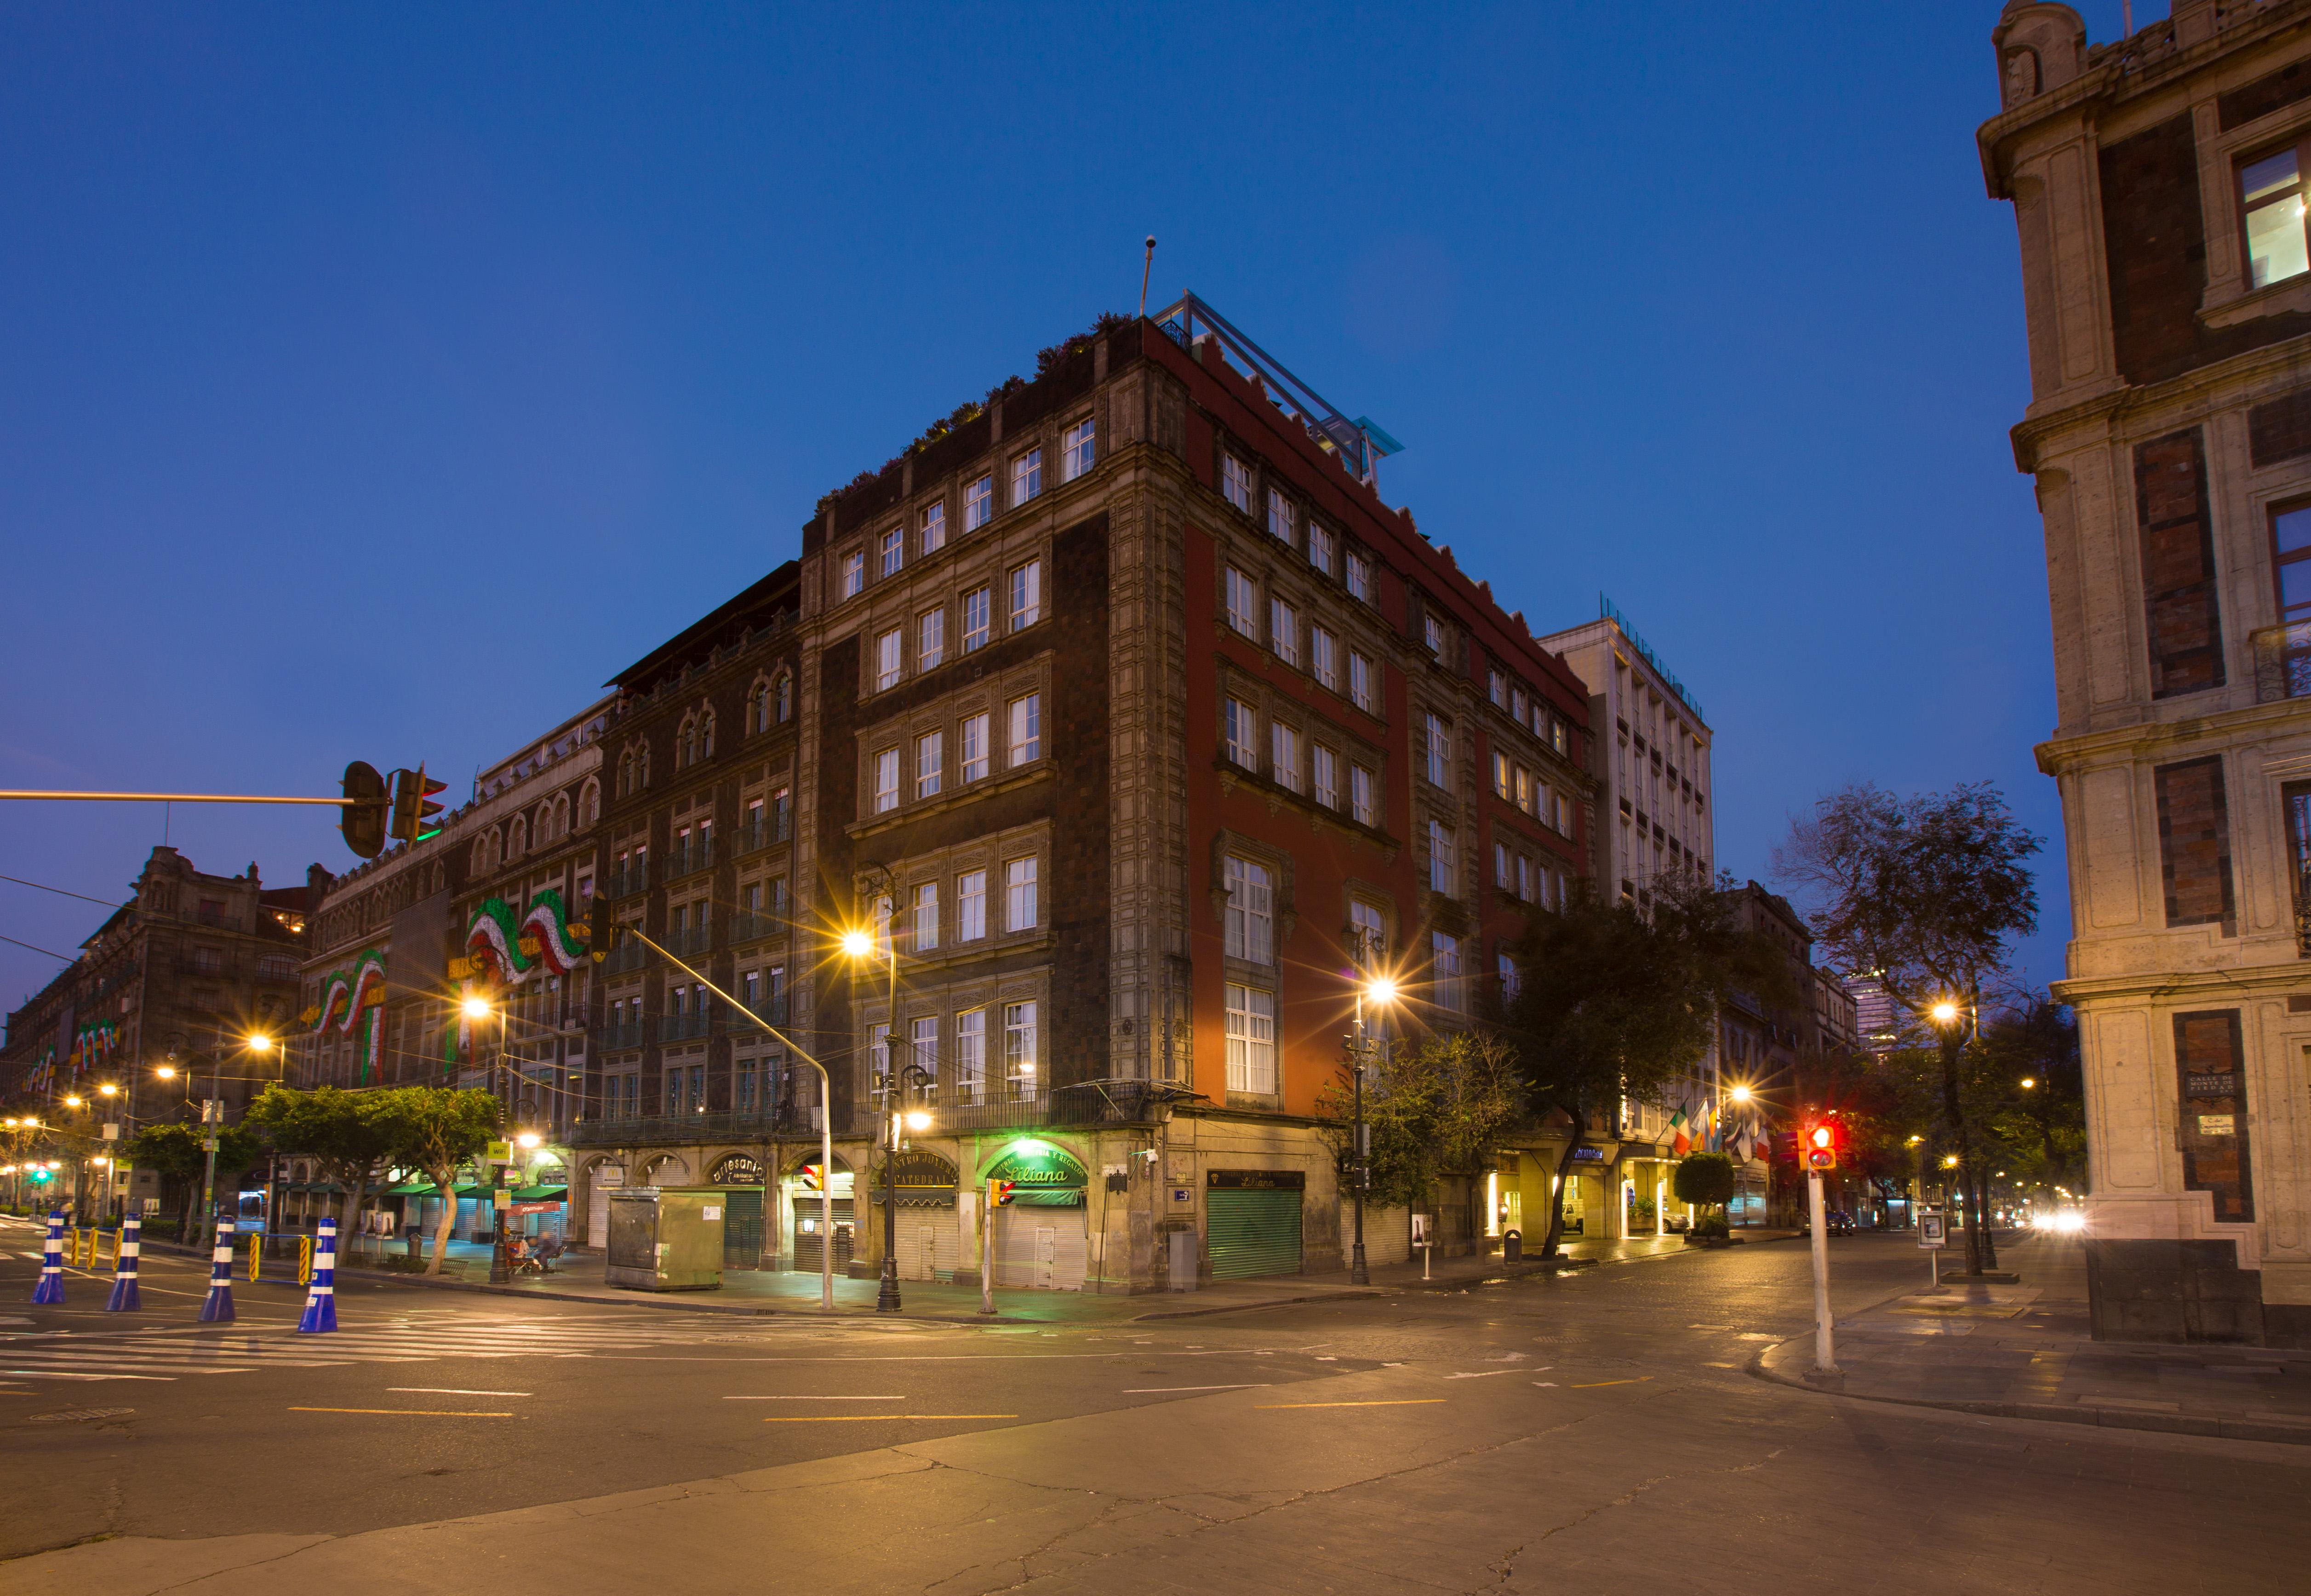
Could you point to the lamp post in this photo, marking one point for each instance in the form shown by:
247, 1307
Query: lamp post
1981, 1251
476, 1010
859, 944
1381, 991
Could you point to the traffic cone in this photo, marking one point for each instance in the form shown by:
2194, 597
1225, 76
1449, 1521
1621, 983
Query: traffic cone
218, 1308
51, 1289
124, 1270
321, 1302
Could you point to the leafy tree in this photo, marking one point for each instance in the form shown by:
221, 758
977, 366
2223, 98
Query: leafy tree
1707, 1181
344, 1132
1612, 1003
1924, 893
436, 1128
1433, 1109
178, 1149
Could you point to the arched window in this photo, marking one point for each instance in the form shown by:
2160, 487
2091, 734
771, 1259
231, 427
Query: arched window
481, 866
626, 773
784, 700
758, 709
589, 802
518, 837
706, 734
562, 816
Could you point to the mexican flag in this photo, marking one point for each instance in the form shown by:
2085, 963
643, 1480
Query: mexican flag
1680, 1133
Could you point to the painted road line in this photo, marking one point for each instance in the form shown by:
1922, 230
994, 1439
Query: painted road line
813, 1398
1401, 1402
1593, 1384
1156, 1391
411, 1412
863, 1419
454, 1391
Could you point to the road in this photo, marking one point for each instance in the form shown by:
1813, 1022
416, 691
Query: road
1505, 1437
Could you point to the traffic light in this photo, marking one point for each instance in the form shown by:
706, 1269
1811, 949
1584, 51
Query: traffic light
413, 810
999, 1193
362, 820
1821, 1144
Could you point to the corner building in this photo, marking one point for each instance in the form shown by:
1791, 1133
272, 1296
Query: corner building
1125, 706
2157, 184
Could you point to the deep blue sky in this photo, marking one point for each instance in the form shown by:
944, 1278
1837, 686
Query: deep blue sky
376, 381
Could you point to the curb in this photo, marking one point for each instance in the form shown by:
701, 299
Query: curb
1354, 1294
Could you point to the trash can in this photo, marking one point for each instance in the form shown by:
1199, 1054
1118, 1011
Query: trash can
1512, 1246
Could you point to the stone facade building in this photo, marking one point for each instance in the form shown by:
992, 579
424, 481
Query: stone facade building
2157, 186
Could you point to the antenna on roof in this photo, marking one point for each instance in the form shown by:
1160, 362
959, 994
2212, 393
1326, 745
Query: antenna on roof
1145, 268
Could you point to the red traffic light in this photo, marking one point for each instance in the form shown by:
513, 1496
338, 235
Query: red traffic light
999, 1193
1821, 1144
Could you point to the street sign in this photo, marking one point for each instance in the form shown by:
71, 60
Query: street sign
1933, 1229
501, 1152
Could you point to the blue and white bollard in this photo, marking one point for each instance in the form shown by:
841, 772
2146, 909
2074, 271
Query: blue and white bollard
124, 1270
218, 1309
321, 1302
51, 1289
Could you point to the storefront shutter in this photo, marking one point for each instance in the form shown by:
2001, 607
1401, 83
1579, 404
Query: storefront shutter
742, 1227
1252, 1232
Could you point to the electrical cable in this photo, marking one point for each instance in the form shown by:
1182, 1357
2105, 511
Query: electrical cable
60, 892
51, 952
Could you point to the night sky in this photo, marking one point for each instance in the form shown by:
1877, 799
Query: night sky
373, 383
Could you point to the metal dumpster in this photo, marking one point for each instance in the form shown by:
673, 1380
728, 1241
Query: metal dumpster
665, 1238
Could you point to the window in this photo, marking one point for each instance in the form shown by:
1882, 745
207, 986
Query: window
782, 700
1020, 1046
878, 1055
1436, 750
1026, 476
1239, 730
1279, 516
2211, 1060
1504, 967
1019, 895
1076, 454
1326, 765
886, 780
935, 528
1026, 730
892, 553
1026, 594
1324, 657
1364, 683
1362, 806
1250, 916
2183, 618
1284, 755
887, 651
927, 917
1557, 735
1501, 788
1501, 866
854, 573
2290, 553
979, 504
1367, 935
922, 1044
2271, 196
1283, 631
744, 1079
1360, 576
930, 639
1517, 710
1235, 482
1524, 878
758, 709
1440, 856
930, 764
1242, 604
1523, 799
975, 623
973, 766
1432, 630
1444, 973
1497, 686
1251, 1040
971, 906
2194, 845
1320, 548
970, 1055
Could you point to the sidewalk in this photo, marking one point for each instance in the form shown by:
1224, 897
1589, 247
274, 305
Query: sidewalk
2025, 1351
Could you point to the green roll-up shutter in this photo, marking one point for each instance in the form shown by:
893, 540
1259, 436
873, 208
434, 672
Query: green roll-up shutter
742, 1227
1252, 1232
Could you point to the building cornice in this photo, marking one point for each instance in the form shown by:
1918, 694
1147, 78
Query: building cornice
2059, 755
2196, 388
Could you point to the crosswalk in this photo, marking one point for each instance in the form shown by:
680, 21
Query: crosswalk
173, 1353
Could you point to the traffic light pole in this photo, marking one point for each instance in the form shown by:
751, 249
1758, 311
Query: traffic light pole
1825, 1359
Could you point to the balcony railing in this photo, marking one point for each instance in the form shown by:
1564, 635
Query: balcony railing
683, 1027
775, 828
1000, 1106
613, 1038
628, 955
691, 941
782, 1119
756, 925
686, 861
2282, 662
634, 879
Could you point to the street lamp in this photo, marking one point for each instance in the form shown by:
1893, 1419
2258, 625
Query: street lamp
859, 943
1380, 991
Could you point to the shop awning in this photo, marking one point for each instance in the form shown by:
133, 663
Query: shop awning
410, 1188
540, 1193
1047, 1197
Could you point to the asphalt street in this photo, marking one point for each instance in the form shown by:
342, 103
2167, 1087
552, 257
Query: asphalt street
1498, 1437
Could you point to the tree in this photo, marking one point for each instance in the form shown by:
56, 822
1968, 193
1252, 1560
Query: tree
1435, 1108
2040, 1125
1612, 1003
1705, 1180
436, 1128
344, 1132
180, 1150
1923, 893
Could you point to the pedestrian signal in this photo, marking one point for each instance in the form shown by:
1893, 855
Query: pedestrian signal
416, 816
814, 1179
1821, 1144
999, 1193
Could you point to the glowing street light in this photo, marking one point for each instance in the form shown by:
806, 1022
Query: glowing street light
167, 1072
1739, 1093
108, 1090
858, 944
1944, 1013
72, 1102
259, 1042
477, 1009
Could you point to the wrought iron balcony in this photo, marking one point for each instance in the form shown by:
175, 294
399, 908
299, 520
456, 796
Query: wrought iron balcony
615, 1038
758, 925
687, 861
692, 941
781, 1119
2282, 662
628, 955
634, 879
683, 1027
775, 828
1000, 1106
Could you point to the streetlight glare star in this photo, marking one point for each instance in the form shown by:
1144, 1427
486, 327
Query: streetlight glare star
1944, 1013
1381, 990
260, 1043
858, 944
1740, 1094
477, 1009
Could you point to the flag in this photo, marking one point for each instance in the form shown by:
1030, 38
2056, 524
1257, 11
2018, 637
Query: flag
1680, 1134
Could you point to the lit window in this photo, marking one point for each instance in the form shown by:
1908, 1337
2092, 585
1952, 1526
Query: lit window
1019, 895
1019, 1048
1362, 807
1368, 936
1283, 631
1235, 482
1364, 683
1327, 768
1239, 731
976, 613
893, 553
935, 528
1250, 922
1284, 755
1556, 736
1243, 606
1251, 1040
1026, 730
926, 916
1324, 657
979, 504
1320, 548
1440, 856
930, 764
970, 1056
886, 780
1360, 577
1436, 750
887, 652
1076, 454
1279, 516
974, 766
854, 573
1501, 778
1524, 791
1026, 595
971, 906
1444, 972
2271, 191
1026, 476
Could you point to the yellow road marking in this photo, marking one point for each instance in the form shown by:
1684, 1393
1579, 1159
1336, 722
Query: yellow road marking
1405, 1402
861, 1418
417, 1412
1593, 1384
